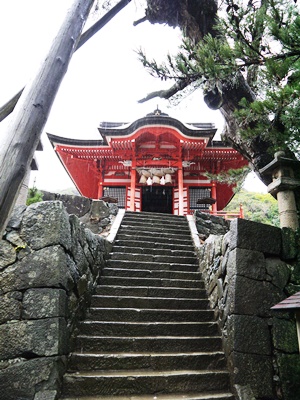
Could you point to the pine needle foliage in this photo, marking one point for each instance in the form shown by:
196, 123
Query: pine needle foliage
260, 40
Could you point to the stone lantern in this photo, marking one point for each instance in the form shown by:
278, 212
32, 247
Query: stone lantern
281, 169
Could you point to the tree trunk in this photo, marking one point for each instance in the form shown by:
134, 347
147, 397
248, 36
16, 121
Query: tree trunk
21, 139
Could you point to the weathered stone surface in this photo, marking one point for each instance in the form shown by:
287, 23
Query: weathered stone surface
278, 271
43, 268
77, 231
289, 373
16, 217
255, 371
210, 224
46, 224
52, 303
46, 395
14, 238
252, 297
290, 245
255, 236
44, 337
248, 263
285, 335
45, 291
10, 307
22, 379
99, 210
77, 205
113, 208
248, 334
244, 392
8, 254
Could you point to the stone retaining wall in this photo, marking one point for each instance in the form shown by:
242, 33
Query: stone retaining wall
49, 266
248, 270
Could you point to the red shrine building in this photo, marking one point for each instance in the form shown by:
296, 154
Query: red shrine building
155, 164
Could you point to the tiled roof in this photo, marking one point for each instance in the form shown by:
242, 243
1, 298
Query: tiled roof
290, 303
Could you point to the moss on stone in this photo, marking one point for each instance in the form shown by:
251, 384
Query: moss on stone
289, 371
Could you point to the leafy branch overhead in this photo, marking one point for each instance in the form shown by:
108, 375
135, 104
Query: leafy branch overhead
232, 177
257, 43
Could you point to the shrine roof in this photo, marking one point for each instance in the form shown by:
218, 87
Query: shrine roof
192, 130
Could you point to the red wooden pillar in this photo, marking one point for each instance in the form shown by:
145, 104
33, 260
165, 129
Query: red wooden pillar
180, 188
132, 185
100, 184
214, 196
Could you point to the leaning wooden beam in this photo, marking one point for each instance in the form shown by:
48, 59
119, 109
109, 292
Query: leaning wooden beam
8, 107
18, 144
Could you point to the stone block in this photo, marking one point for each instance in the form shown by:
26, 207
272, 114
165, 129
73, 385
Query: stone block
8, 255
46, 395
255, 236
13, 237
255, 371
278, 271
284, 335
77, 230
251, 297
77, 205
290, 244
46, 224
10, 307
249, 334
33, 338
44, 303
21, 379
289, 371
99, 209
248, 263
43, 268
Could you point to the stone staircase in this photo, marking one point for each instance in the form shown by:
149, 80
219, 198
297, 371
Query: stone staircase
149, 333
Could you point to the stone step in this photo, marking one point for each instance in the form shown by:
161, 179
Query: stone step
151, 216
130, 241
153, 258
151, 266
126, 329
124, 281
149, 250
153, 225
167, 239
166, 344
139, 382
149, 315
146, 361
148, 291
156, 217
182, 230
147, 273
148, 302
215, 395
144, 234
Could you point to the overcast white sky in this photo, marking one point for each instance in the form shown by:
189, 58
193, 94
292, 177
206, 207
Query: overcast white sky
104, 80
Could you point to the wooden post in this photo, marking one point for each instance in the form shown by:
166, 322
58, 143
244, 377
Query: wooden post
297, 316
180, 189
214, 196
18, 145
132, 186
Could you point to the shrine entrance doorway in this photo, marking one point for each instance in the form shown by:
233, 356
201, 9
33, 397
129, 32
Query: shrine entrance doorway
157, 199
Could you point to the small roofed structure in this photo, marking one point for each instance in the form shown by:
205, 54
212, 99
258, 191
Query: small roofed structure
156, 164
291, 303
